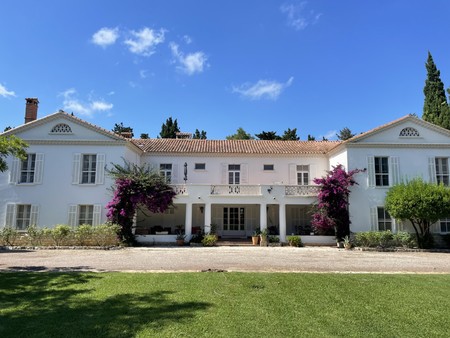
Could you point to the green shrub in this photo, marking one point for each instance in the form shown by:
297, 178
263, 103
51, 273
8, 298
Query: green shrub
274, 239
404, 239
8, 235
209, 240
294, 241
82, 234
35, 235
384, 239
60, 233
105, 234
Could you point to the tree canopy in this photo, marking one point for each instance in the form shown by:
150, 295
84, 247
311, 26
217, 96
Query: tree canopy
200, 135
11, 145
345, 134
435, 107
421, 203
119, 128
144, 136
241, 134
268, 135
290, 135
169, 129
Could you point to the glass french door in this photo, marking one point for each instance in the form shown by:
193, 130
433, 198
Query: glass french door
233, 220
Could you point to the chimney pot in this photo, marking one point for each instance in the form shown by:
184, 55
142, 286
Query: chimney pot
31, 109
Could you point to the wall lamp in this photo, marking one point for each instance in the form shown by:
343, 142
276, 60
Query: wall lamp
269, 190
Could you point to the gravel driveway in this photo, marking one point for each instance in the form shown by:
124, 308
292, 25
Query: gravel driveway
267, 259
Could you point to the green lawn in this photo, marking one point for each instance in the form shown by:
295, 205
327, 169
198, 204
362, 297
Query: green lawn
223, 305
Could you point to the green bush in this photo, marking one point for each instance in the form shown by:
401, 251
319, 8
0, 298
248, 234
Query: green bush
35, 235
8, 235
384, 239
60, 233
82, 234
274, 239
294, 241
106, 234
209, 240
404, 239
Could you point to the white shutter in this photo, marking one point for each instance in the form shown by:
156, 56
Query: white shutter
292, 174
175, 173
312, 173
15, 171
100, 169
39, 168
224, 173
76, 169
394, 170
244, 173
73, 213
374, 218
371, 171
34, 215
10, 215
97, 216
432, 169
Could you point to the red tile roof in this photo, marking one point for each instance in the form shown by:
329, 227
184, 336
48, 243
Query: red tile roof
195, 146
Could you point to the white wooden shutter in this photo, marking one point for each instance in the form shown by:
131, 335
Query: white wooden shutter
244, 173
100, 169
371, 171
312, 173
293, 174
76, 169
224, 173
10, 215
175, 173
432, 169
73, 213
97, 215
394, 170
15, 171
39, 168
374, 218
34, 215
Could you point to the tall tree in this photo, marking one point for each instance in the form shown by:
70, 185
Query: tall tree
311, 138
345, 134
241, 134
268, 135
11, 145
169, 129
290, 135
119, 128
144, 136
200, 135
435, 107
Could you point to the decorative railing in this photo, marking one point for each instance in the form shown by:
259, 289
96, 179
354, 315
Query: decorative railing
301, 190
235, 189
180, 189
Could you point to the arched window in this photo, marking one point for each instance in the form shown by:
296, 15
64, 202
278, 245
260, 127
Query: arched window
61, 128
409, 132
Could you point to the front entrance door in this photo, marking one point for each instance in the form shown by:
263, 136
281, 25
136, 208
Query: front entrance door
234, 221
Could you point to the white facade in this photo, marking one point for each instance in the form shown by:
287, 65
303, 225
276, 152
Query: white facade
238, 186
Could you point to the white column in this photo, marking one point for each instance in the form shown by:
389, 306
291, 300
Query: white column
207, 217
262, 216
282, 222
188, 221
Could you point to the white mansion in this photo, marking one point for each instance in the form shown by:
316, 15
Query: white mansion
237, 185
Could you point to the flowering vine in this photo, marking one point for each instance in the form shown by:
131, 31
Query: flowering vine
332, 207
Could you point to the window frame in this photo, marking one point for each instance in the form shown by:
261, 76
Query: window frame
196, 166
268, 167
234, 174
442, 170
85, 214
381, 176
28, 168
89, 173
385, 220
166, 171
303, 175
444, 222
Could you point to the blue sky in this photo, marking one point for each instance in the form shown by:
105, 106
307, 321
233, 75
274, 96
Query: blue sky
317, 66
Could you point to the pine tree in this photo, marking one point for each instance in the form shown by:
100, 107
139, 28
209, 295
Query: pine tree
241, 134
268, 135
290, 135
169, 129
345, 134
200, 135
435, 107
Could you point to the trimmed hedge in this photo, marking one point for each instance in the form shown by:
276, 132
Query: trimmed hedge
385, 239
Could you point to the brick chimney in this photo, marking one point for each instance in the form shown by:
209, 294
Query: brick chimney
31, 109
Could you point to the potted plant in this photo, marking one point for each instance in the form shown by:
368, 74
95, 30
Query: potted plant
180, 239
255, 236
264, 237
213, 231
347, 243
294, 240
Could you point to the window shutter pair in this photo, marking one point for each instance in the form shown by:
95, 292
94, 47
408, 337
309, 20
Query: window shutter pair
74, 211
11, 213
394, 170
14, 174
99, 169
244, 173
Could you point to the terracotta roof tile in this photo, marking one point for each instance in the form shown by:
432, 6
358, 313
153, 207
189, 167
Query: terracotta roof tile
234, 146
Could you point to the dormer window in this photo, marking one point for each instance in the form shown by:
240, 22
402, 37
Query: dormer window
61, 128
409, 132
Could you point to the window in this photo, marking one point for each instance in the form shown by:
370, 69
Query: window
27, 169
409, 132
302, 174
233, 219
442, 170
200, 166
88, 169
21, 216
384, 220
85, 214
165, 170
268, 167
445, 224
234, 173
381, 171
61, 128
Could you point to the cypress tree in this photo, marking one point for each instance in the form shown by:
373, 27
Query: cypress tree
435, 107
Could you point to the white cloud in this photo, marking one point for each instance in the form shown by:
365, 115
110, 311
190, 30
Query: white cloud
191, 63
105, 36
145, 41
262, 89
5, 92
88, 108
298, 17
